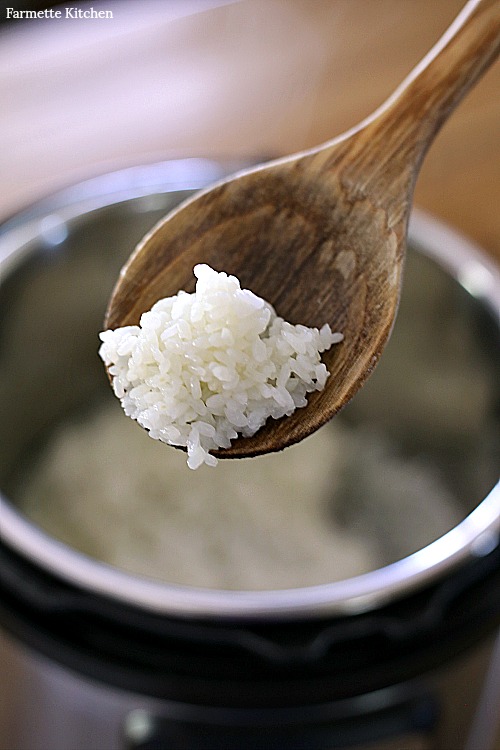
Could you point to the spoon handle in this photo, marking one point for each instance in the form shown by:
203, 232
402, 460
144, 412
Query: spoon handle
401, 130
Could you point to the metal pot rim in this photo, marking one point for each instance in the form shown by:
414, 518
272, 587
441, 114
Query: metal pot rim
474, 537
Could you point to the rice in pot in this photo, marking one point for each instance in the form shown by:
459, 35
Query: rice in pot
340, 503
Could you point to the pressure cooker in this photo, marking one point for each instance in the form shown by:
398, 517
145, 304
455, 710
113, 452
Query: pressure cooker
95, 657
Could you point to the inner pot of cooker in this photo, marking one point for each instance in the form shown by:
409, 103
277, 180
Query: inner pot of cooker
411, 456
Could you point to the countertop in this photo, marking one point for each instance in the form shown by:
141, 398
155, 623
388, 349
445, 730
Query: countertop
244, 79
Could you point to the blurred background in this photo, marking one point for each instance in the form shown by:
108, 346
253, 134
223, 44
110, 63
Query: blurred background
251, 79
231, 79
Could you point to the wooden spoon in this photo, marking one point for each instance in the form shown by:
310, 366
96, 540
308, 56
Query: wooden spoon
321, 234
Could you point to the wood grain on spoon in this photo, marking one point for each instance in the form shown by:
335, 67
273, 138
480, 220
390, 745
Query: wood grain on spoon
322, 234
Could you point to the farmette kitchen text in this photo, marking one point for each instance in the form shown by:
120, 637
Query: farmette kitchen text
74, 13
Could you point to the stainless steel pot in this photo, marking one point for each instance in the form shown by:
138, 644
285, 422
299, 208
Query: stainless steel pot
58, 262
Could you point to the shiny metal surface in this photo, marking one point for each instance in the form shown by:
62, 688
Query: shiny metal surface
54, 228
50, 706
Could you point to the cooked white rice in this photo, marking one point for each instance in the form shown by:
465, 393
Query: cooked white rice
203, 368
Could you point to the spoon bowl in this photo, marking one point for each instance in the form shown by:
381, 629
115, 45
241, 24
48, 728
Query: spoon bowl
321, 234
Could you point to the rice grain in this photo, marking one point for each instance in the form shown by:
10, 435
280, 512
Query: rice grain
202, 368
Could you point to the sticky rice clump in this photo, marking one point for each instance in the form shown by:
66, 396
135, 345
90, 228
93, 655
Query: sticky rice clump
202, 368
